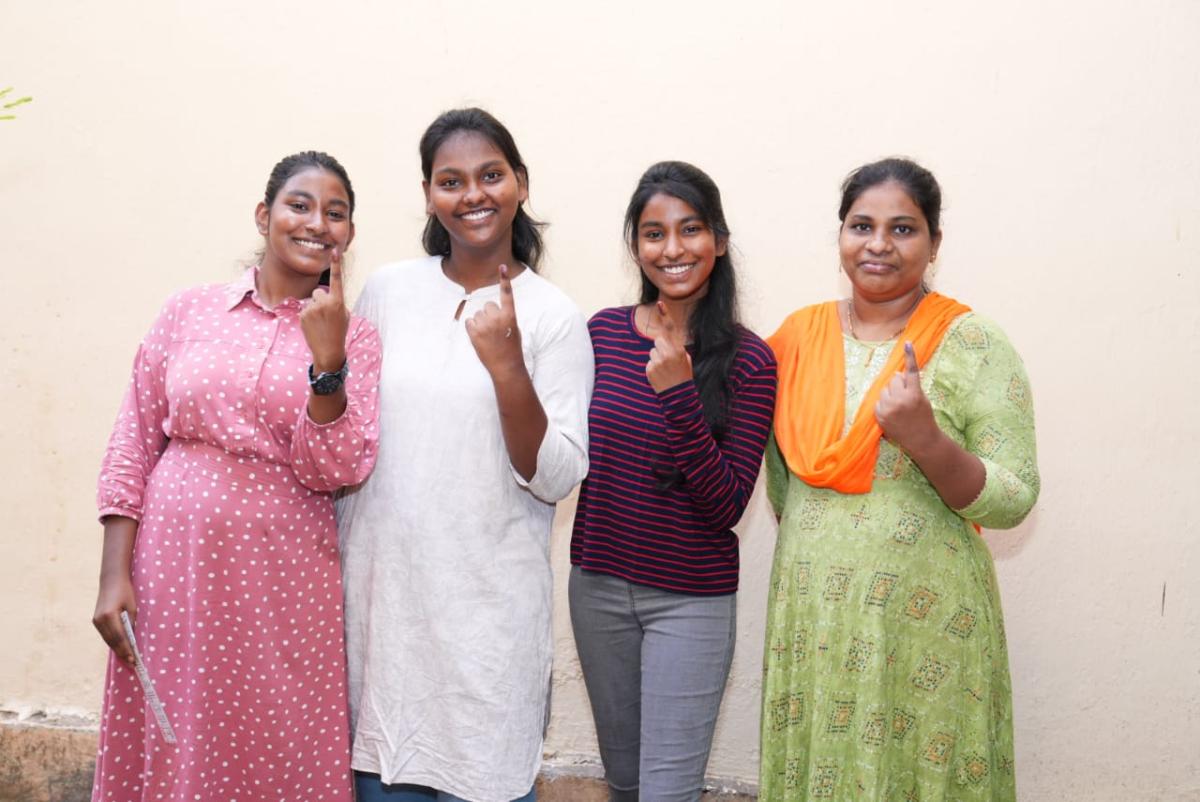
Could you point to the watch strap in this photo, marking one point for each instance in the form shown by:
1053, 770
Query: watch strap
327, 382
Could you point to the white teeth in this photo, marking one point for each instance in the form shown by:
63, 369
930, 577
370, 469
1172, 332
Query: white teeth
312, 246
677, 270
479, 215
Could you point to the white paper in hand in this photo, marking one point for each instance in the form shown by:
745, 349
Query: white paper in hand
143, 676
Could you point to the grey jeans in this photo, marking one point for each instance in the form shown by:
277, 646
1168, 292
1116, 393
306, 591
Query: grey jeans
655, 665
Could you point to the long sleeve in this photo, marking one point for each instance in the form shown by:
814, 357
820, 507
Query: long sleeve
995, 410
563, 377
139, 437
720, 477
327, 456
628, 524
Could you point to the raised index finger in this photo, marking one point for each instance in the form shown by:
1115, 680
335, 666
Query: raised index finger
506, 293
911, 368
335, 273
910, 358
668, 325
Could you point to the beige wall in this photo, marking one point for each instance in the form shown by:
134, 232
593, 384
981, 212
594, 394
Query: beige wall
1066, 135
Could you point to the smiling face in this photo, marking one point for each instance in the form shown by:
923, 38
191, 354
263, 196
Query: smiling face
676, 248
885, 243
474, 192
309, 216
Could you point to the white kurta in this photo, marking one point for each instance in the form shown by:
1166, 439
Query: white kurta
446, 550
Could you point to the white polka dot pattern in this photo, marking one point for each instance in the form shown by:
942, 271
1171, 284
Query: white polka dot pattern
235, 568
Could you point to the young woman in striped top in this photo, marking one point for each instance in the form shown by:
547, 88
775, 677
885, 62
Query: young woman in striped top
678, 423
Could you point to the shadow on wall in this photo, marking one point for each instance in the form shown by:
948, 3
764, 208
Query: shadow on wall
1006, 544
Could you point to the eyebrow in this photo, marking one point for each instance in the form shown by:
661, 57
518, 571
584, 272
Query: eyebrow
299, 193
456, 171
695, 218
895, 219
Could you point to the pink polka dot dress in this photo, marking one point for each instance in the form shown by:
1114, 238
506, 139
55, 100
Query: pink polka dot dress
235, 567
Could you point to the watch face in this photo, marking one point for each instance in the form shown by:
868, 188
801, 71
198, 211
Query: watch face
326, 383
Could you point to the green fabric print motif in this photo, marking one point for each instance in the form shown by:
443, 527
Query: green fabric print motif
886, 672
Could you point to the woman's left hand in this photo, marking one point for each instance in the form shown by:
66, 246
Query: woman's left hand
494, 332
325, 321
903, 411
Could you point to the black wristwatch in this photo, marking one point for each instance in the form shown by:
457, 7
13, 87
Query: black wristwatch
327, 383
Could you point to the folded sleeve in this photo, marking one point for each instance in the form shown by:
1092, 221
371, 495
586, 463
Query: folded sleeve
139, 436
563, 376
996, 409
328, 456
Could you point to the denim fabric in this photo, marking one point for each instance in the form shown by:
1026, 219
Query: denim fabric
369, 788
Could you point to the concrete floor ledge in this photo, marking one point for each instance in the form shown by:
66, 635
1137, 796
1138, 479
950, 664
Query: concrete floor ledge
51, 757
46, 757
581, 779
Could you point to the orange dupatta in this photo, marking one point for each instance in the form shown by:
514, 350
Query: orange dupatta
810, 409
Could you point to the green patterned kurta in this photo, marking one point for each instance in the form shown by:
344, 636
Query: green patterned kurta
886, 673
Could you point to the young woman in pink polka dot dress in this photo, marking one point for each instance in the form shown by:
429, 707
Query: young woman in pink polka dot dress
249, 404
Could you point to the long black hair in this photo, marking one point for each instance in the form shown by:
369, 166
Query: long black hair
526, 231
713, 325
290, 166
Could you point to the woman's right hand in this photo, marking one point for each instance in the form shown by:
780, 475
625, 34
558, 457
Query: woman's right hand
670, 364
116, 594
116, 586
325, 320
494, 333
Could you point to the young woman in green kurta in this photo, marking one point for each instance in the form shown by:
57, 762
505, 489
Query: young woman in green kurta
886, 672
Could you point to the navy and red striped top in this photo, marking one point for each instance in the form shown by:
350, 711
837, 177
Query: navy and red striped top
678, 539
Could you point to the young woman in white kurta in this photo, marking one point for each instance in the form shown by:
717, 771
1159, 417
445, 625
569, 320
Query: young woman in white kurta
446, 548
